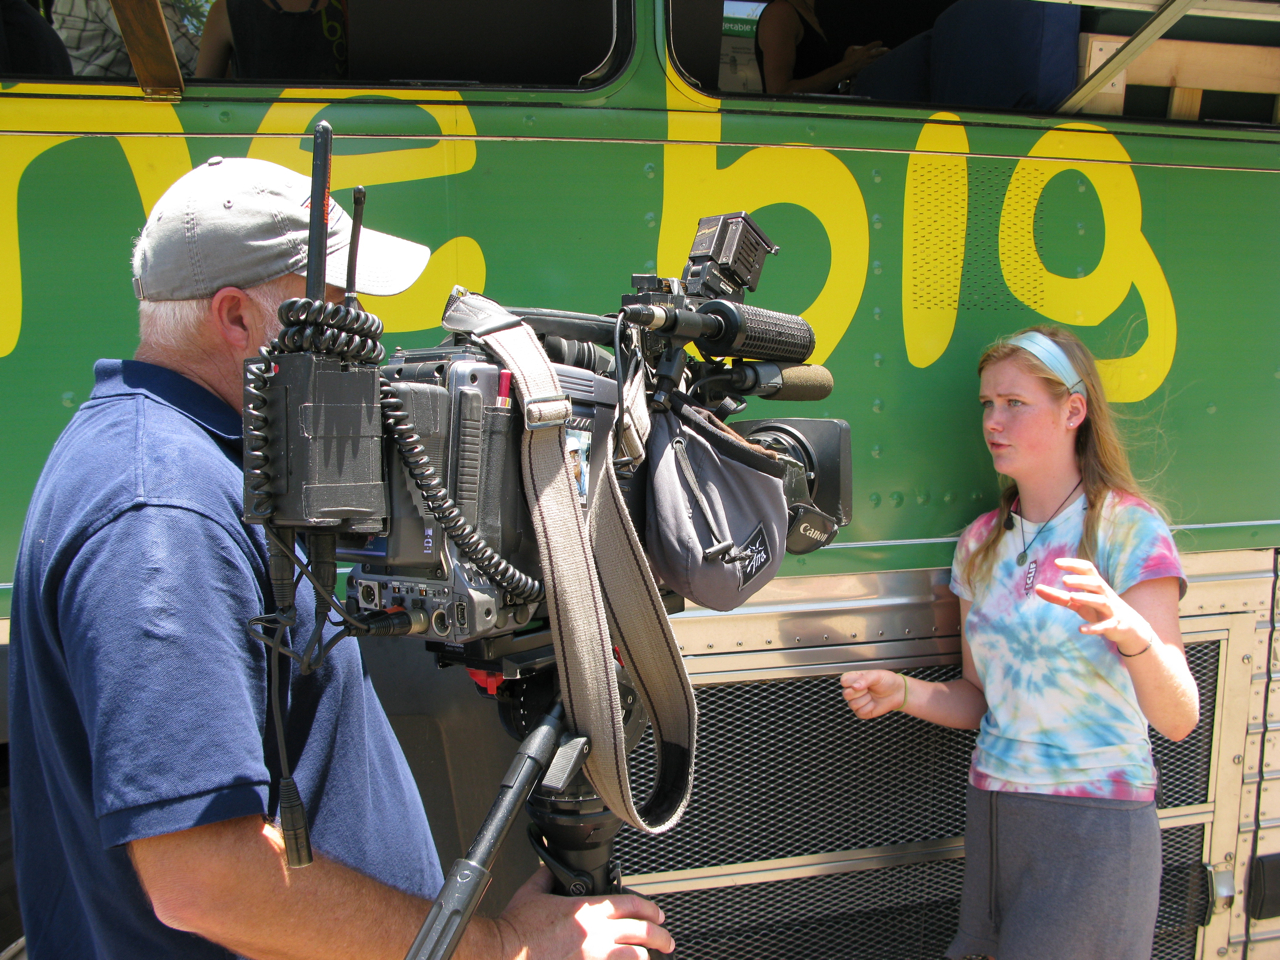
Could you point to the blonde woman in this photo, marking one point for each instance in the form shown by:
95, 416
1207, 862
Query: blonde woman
1070, 645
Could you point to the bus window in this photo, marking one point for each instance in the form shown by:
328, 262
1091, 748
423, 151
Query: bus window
555, 43
737, 70
94, 42
1020, 55
1202, 68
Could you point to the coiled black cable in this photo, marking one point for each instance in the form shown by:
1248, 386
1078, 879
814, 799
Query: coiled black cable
398, 426
306, 326
331, 329
256, 461
349, 334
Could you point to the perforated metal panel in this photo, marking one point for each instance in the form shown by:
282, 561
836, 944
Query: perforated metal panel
891, 914
984, 288
784, 769
788, 765
1184, 894
896, 913
1184, 766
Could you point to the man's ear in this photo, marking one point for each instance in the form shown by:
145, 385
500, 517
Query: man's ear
232, 322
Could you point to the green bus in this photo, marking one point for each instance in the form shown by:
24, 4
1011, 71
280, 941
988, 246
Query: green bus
546, 152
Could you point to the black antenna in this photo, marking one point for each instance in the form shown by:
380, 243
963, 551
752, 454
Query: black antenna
318, 239
357, 220
293, 814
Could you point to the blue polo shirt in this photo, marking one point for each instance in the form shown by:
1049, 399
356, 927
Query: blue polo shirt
138, 702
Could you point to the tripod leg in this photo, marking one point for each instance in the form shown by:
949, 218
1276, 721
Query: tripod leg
469, 877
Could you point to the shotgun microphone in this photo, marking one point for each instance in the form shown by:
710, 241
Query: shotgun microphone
722, 328
780, 381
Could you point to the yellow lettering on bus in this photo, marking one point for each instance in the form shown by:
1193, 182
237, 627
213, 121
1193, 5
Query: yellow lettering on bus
286, 123
460, 260
1127, 258
693, 187
156, 160
935, 215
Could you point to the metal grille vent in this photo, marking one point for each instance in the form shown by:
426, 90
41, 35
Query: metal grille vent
938, 210
784, 769
984, 286
767, 749
897, 913
1184, 766
1184, 893
1025, 274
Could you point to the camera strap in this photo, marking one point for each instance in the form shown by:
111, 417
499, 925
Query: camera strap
600, 592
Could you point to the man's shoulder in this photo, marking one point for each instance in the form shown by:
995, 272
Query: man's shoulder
131, 451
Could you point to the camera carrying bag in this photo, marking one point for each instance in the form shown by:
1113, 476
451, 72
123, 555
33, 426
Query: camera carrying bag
600, 591
717, 515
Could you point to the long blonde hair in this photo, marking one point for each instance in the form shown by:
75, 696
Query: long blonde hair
1100, 451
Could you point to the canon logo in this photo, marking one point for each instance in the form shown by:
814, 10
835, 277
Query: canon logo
808, 531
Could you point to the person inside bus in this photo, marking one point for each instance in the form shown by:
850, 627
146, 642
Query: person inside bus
1070, 647
293, 40
92, 36
795, 55
29, 46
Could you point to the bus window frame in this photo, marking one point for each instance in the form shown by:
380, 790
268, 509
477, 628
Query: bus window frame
792, 103
150, 48
155, 63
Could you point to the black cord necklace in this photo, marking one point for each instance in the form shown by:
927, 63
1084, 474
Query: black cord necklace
1022, 557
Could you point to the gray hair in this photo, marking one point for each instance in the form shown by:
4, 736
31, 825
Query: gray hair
172, 324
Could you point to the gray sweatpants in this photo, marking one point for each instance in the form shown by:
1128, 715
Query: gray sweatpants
1058, 878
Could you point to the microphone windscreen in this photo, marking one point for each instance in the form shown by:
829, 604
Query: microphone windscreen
804, 381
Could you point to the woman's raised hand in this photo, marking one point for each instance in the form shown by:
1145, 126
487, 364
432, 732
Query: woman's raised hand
873, 693
1092, 598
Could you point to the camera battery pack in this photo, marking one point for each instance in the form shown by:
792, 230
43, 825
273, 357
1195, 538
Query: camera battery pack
324, 423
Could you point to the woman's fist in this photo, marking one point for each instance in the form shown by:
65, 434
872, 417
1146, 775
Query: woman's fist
873, 693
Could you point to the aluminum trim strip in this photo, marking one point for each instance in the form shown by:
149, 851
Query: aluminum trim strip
874, 858
710, 668
782, 672
1186, 816
890, 543
798, 656
770, 871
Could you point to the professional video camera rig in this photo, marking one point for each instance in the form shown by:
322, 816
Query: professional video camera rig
410, 472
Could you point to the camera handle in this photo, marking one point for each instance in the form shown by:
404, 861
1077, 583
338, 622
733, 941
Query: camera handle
540, 756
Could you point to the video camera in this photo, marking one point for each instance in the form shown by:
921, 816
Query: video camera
423, 553
411, 472
460, 401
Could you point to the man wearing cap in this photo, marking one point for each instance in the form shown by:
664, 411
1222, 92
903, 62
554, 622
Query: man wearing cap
140, 746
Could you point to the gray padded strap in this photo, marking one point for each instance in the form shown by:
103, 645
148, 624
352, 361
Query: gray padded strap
600, 593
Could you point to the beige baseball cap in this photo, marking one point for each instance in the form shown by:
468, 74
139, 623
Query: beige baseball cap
236, 222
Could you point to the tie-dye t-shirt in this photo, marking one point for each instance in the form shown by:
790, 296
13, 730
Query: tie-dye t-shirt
1062, 717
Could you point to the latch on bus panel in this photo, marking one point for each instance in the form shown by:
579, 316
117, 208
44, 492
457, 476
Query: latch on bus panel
1221, 878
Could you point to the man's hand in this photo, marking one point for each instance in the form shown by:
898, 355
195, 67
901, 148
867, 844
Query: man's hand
540, 926
228, 883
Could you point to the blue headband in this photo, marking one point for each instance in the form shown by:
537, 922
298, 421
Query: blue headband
1053, 357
